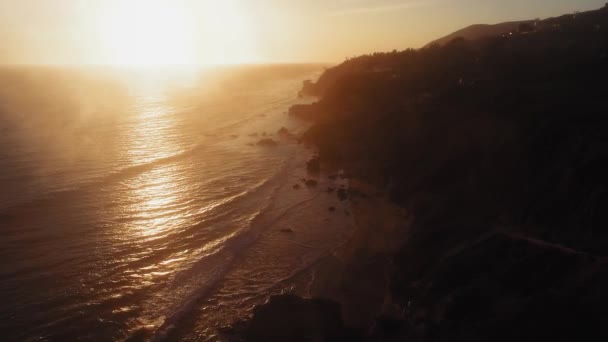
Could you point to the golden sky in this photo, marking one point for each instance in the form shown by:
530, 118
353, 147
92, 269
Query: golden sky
150, 32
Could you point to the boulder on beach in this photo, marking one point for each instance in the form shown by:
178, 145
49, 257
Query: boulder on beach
314, 165
342, 194
311, 183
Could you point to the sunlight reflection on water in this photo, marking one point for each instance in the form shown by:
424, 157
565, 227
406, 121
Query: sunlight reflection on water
156, 197
161, 199
155, 200
153, 204
152, 135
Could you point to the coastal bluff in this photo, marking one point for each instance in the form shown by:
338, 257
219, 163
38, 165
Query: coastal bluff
494, 151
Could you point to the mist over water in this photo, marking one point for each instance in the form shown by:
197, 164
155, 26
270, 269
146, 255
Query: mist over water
130, 196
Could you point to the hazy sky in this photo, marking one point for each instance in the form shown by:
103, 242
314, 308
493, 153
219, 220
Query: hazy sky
230, 31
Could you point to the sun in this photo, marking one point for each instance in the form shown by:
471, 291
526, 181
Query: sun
146, 32
175, 32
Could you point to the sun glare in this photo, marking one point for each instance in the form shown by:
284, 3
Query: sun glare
138, 32
164, 32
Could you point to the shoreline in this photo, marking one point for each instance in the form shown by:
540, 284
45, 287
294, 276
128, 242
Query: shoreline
290, 238
337, 276
340, 279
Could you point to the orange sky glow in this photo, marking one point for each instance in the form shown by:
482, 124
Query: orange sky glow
204, 32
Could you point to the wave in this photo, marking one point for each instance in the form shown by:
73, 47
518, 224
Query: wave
63, 196
228, 251
211, 136
106, 237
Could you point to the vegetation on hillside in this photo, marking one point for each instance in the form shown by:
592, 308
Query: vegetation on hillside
508, 127
497, 149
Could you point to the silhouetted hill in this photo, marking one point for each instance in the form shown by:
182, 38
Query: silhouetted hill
567, 25
478, 31
497, 151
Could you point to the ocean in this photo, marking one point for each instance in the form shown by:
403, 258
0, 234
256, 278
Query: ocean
137, 204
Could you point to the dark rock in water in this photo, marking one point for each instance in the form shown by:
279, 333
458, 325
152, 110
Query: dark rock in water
311, 183
291, 318
332, 209
342, 194
285, 133
286, 230
314, 165
296, 186
267, 143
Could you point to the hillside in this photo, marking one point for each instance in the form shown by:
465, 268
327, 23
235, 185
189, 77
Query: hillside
479, 31
496, 150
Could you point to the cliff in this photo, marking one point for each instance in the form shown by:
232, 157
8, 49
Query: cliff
496, 150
